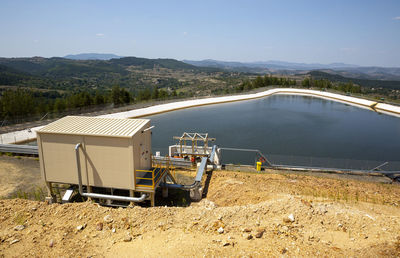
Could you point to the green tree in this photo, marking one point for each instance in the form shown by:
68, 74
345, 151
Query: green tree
116, 95
155, 93
306, 83
99, 98
17, 103
59, 105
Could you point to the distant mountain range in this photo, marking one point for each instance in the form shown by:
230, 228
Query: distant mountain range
92, 56
268, 64
262, 67
90, 68
288, 68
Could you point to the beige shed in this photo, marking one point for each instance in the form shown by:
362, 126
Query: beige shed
103, 153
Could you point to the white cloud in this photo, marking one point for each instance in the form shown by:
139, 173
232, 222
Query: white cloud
100, 35
397, 18
185, 33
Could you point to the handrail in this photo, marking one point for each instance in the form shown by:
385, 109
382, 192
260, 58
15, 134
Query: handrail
154, 175
102, 196
152, 178
250, 150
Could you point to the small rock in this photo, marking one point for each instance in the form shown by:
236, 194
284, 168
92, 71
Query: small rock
221, 230
80, 227
247, 230
225, 243
34, 208
19, 227
113, 230
51, 243
284, 250
259, 234
127, 238
99, 226
248, 236
289, 219
14, 241
108, 219
306, 203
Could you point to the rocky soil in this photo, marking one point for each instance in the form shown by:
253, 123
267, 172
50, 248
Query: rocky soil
242, 214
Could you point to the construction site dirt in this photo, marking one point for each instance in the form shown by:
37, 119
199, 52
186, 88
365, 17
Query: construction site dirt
241, 214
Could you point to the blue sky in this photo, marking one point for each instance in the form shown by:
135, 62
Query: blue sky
356, 32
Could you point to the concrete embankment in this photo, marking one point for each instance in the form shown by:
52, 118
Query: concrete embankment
27, 135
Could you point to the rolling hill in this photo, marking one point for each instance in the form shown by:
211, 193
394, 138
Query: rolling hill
318, 75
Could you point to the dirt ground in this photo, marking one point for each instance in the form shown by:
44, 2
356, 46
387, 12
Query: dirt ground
241, 214
19, 174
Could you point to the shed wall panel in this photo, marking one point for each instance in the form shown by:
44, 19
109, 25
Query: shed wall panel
59, 160
108, 162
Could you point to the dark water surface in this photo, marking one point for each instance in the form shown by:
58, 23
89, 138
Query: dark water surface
287, 126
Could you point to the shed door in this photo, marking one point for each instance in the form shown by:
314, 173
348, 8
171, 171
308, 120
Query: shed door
145, 152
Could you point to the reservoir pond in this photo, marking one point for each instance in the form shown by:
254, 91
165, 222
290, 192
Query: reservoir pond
291, 129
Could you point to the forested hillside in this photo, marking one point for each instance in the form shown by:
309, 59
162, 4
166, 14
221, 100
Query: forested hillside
363, 82
37, 85
34, 87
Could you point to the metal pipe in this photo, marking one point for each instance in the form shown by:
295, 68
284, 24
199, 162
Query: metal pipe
199, 175
213, 152
102, 196
179, 186
149, 128
381, 165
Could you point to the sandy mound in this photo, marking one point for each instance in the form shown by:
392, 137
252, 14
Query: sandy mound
243, 214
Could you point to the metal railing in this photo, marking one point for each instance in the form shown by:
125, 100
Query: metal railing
317, 163
19, 149
177, 162
259, 153
150, 178
154, 177
322, 163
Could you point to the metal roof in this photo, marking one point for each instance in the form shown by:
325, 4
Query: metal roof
95, 126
